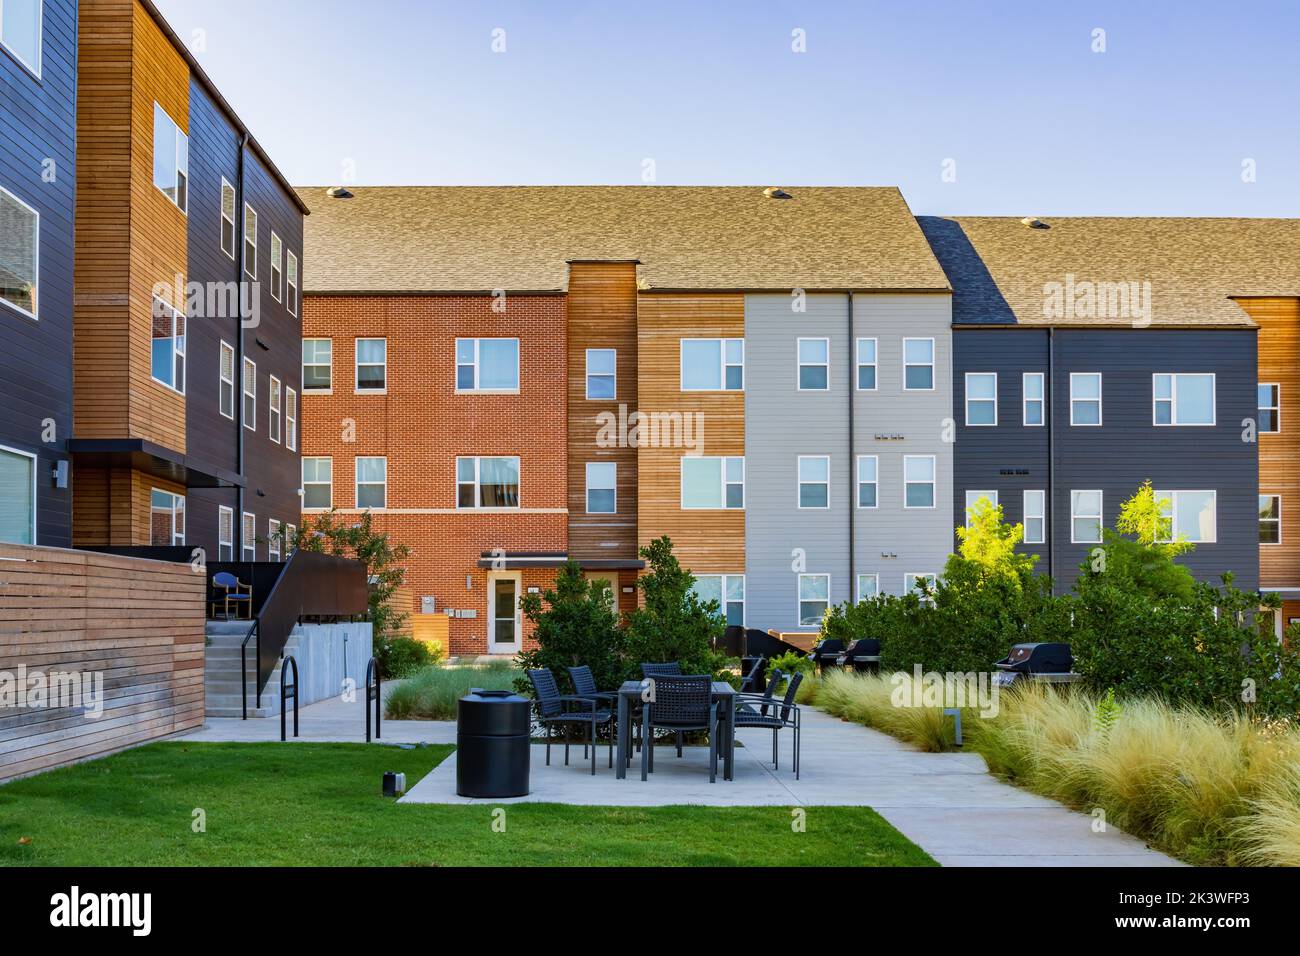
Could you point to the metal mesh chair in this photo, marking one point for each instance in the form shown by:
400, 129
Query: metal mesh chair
680, 703
760, 711
670, 669
565, 709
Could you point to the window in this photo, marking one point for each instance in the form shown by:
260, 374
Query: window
372, 365
20, 243
250, 394
867, 365
227, 218
487, 482
168, 346
602, 496
814, 481
20, 31
1085, 398
868, 586
17, 496
1032, 386
166, 518
226, 387
814, 365
225, 533
814, 598
291, 298
290, 419
1270, 519
482, 365
712, 365
868, 480
918, 481
318, 482
274, 428
277, 270
602, 378
918, 365
171, 157
1183, 399
317, 365
248, 535
372, 482
1270, 409
1085, 517
728, 590
981, 398
250, 240
713, 483
1035, 517
273, 540
290, 538
912, 579
972, 499
1191, 514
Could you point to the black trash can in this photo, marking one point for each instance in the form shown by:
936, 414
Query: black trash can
492, 744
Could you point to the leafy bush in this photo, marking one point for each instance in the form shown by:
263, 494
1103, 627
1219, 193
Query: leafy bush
400, 656
574, 622
791, 662
431, 692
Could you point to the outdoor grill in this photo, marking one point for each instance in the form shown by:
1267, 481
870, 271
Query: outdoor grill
862, 655
827, 653
492, 730
1049, 662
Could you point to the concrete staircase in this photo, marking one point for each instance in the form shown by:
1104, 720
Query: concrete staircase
221, 682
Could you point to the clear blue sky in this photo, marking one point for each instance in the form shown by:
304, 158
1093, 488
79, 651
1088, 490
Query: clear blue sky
411, 92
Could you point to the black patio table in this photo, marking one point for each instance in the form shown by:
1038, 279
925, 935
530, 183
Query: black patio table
631, 692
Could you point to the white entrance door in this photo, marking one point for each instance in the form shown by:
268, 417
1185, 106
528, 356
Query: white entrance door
505, 620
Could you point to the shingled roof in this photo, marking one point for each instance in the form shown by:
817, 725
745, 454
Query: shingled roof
520, 238
1000, 268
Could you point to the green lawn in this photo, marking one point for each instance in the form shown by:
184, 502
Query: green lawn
319, 804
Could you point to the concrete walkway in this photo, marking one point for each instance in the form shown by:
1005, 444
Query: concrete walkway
948, 804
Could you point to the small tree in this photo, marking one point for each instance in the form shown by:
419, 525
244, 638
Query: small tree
672, 624
575, 622
988, 544
383, 561
1138, 555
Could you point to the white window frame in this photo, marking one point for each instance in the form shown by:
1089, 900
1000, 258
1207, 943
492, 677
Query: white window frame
357, 363
329, 484
933, 483
329, 389
1275, 409
179, 344
1098, 400
226, 535
250, 261
1277, 520
248, 536
291, 284
290, 419
1025, 399
182, 173
587, 372
874, 364
36, 68
874, 575
1040, 514
932, 365
478, 483
357, 482
800, 364
175, 499
34, 315
226, 349
799, 598
272, 539
274, 418
612, 487
799, 483
722, 506
1172, 495
723, 364
1100, 516
277, 267
1173, 399
990, 493
914, 576
290, 538
36, 506
723, 580
859, 482
994, 423
221, 211
475, 390
250, 416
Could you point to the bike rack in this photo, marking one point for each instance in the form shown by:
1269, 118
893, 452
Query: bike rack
372, 693
287, 691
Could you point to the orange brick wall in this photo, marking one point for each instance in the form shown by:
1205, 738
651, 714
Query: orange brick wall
421, 425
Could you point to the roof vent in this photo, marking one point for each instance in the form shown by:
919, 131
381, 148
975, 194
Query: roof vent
339, 192
1033, 222
776, 192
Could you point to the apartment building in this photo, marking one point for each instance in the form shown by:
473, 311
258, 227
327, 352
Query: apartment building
188, 277
38, 179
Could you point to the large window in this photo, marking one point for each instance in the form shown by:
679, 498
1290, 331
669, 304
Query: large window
1270, 519
1085, 398
712, 365
868, 586
372, 482
1085, 517
250, 394
1182, 399
868, 481
20, 31
372, 365
168, 346
1192, 516
487, 482
981, 398
20, 243
867, 365
290, 419
1032, 385
486, 365
250, 240
17, 496
166, 518
602, 375
814, 365
226, 385
814, 598
317, 365
227, 218
713, 483
918, 365
277, 267
918, 481
973, 498
171, 156
814, 481
318, 482
602, 482
728, 590
273, 395
1270, 408
225, 533
1035, 517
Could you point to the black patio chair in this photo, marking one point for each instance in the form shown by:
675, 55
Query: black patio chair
680, 703
760, 711
565, 709
584, 685
670, 669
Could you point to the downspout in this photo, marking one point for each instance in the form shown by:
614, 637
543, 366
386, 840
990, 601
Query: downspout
853, 477
241, 265
1049, 399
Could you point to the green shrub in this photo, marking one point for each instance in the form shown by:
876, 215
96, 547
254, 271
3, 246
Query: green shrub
400, 656
791, 662
574, 622
430, 693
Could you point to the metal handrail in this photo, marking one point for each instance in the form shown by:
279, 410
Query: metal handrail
372, 693
243, 667
286, 692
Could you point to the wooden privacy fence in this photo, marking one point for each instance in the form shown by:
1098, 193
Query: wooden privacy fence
120, 635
